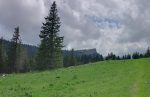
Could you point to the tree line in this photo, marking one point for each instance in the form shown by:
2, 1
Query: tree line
15, 59
73, 60
49, 54
135, 55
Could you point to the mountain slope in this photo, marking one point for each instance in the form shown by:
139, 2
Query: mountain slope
128, 78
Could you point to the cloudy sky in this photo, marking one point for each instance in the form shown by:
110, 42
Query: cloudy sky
119, 26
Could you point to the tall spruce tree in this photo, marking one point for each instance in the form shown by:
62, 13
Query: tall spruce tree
49, 55
136, 55
147, 54
72, 60
14, 50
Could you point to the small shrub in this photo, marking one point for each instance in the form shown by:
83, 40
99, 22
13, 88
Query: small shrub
28, 94
51, 85
58, 77
74, 77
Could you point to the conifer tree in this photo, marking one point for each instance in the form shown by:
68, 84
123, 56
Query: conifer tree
14, 51
49, 55
147, 52
72, 60
136, 55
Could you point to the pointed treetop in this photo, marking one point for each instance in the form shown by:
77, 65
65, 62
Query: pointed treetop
16, 36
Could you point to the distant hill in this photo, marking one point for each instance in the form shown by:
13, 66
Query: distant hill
32, 50
91, 52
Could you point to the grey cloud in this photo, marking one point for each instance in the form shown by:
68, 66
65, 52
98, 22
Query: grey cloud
137, 25
22, 13
79, 32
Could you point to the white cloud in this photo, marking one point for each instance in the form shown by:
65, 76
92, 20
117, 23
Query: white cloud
123, 25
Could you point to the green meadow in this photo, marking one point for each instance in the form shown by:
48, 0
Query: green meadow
125, 78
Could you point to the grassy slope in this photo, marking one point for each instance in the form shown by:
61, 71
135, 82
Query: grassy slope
129, 78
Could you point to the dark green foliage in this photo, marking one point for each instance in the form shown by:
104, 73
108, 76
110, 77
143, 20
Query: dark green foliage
66, 59
147, 54
28, 62
31, 64
111, 56
141, 56
90, 58
87, 59
118, 58
136, 55
72, 58
49, 55
126, 57
25, 60
31, 49
14, 51
97, 58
